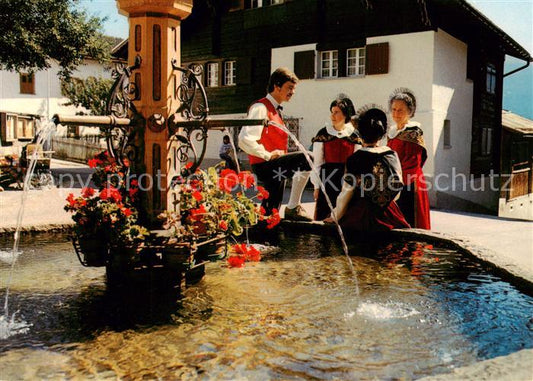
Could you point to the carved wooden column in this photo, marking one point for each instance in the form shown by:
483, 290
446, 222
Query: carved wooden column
154, 36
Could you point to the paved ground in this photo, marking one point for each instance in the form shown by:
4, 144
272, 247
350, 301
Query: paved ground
504, 242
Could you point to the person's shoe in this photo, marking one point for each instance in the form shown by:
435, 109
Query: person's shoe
296, 214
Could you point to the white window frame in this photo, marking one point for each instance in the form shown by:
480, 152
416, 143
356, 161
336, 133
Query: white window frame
230, 73
264, 3
329, 64
355, 64
211, 77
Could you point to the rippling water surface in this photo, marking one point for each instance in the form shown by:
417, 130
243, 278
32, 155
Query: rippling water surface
294, 315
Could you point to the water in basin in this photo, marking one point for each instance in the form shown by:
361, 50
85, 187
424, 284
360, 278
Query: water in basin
421, 310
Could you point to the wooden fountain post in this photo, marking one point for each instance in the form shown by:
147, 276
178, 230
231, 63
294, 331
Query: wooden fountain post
154, 37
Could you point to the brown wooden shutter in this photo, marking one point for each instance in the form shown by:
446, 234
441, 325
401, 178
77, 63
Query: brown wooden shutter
377, 58
27, 83
244, 70
304, 64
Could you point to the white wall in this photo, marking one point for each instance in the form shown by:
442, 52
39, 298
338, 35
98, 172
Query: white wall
409, 55
47, 99
453, 100
433, 65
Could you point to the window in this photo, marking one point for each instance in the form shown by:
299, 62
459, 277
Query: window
27, 83
212, 74
447, 134
329, 64
230, 73
486, 141
355, 62
261, 3
491, 79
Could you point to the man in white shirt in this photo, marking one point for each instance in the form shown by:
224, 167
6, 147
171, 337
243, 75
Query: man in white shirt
267, 148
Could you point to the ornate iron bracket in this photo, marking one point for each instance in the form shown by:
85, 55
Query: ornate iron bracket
120, 104
193, 108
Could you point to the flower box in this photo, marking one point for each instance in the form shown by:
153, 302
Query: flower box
91, 251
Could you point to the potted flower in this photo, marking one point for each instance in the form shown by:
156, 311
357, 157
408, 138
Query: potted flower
211, 204
106, 215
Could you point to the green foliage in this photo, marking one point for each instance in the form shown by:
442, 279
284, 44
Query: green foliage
34, 32
91, 93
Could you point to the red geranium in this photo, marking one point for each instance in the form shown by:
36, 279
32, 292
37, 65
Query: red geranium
111, 193
228, 180
262, 193
246, 178
87, 192
273, 219
236, 261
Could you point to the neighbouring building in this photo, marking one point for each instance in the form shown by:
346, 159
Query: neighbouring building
27, 99
516, 197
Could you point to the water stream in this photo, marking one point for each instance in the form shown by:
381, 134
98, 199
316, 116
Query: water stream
9, 325
321, 184
322, 187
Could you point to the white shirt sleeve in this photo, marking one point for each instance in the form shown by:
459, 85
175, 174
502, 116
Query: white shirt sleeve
249, 135
343, 200
318, 160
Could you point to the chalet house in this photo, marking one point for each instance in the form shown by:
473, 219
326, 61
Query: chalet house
446, 51
27, 99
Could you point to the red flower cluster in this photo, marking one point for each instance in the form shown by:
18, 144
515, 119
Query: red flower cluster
209, 204
244, 254
273, 219
108, 212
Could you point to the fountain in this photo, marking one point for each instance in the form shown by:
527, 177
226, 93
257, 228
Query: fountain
415, 310
158, 118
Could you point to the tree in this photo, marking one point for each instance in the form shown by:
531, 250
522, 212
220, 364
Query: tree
91, 93
34, 32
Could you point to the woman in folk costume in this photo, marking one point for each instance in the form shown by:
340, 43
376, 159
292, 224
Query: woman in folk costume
332, 145
373, 180
406, 138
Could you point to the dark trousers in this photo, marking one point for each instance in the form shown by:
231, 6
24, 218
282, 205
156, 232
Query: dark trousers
333, 172
230, 164
274, 173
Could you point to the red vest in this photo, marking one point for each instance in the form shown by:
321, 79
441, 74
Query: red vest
272, 138
337, 151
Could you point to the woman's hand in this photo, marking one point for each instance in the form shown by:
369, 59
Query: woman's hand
315, 194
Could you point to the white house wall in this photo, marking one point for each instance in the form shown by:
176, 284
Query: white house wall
453, 100
433, 65
47, 99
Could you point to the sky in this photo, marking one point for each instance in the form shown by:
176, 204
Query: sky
514, 17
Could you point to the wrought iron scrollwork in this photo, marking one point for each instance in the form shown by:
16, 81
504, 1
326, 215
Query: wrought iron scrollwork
193, 108
191, 93
120, 104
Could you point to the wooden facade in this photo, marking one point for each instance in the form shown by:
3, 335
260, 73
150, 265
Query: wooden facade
517, 155
217, 33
